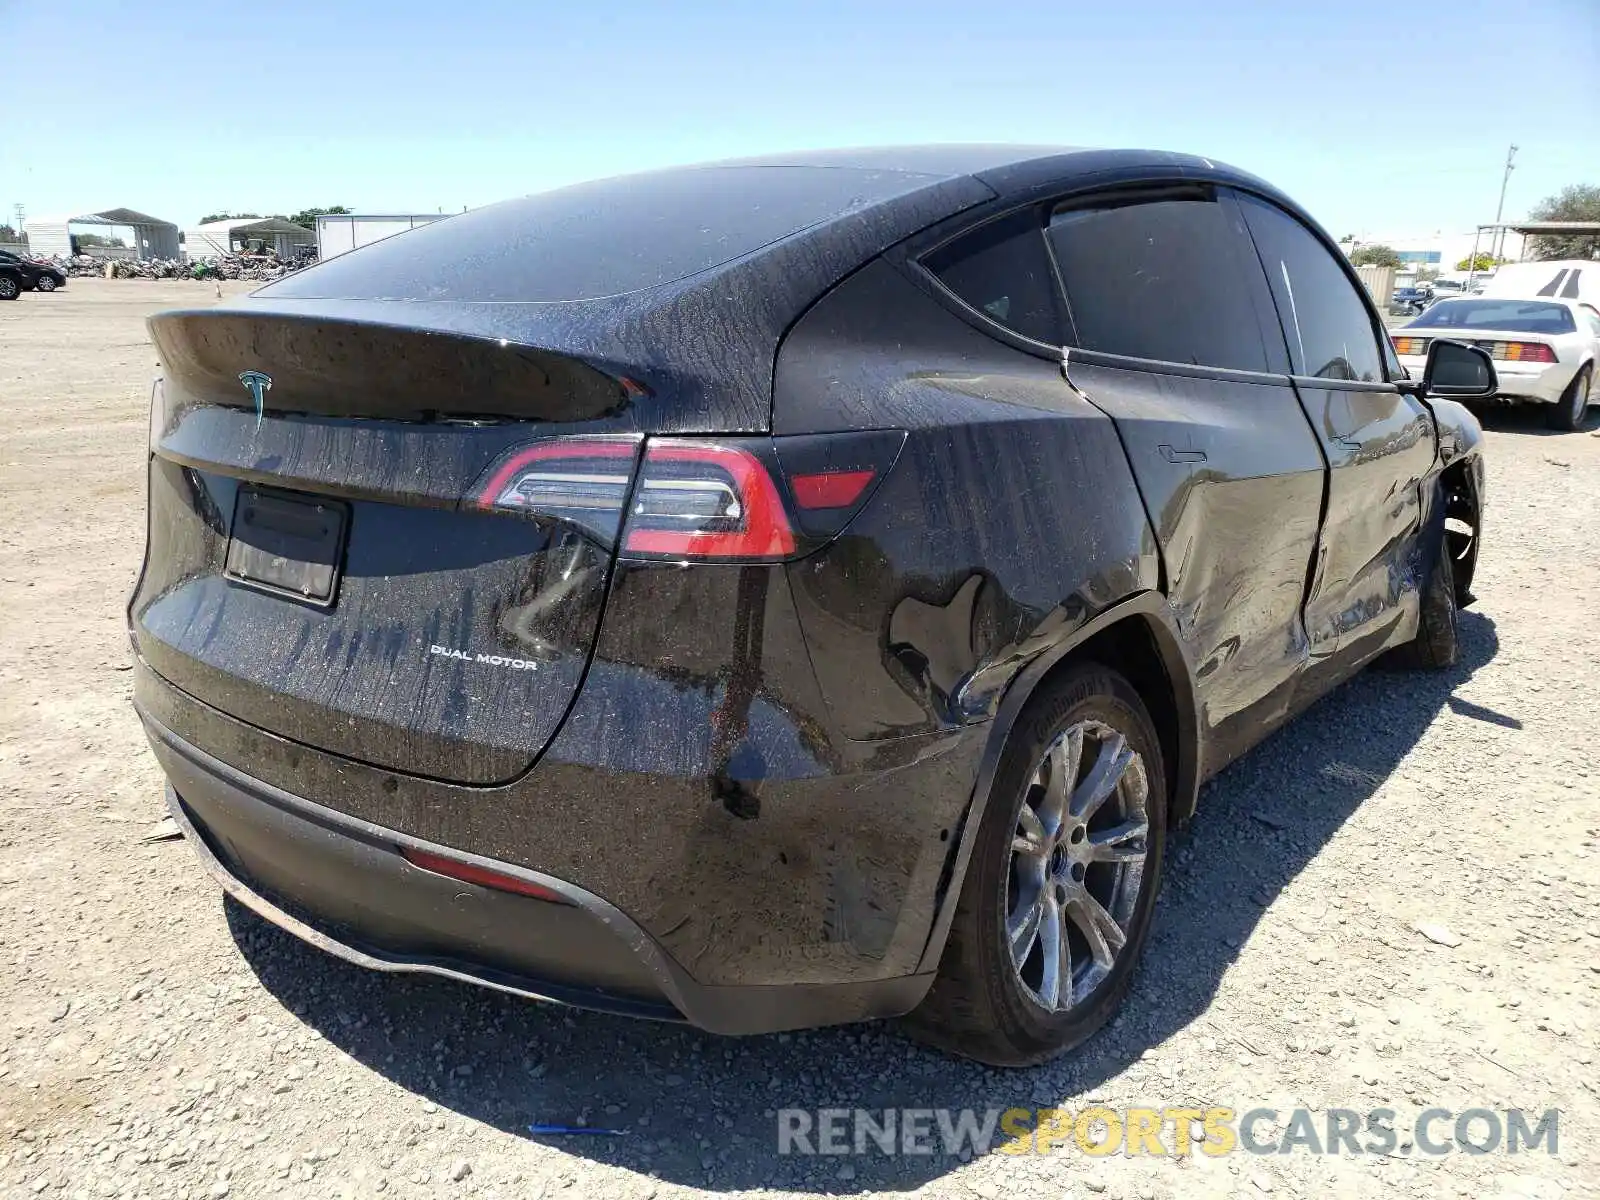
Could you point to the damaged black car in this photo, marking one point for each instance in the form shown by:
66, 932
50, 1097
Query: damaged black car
782, 592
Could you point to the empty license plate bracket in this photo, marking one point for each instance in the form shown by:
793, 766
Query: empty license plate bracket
290, 545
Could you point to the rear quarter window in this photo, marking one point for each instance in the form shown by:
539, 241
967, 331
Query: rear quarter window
1002, 270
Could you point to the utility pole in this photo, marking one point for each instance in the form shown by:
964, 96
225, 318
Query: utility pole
1499, 240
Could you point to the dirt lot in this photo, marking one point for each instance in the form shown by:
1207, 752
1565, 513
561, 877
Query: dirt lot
157, 1042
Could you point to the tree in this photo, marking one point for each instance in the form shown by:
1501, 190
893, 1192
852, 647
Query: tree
1375, 256
8, 234
1484, 262
227, 216
308, 216
99, 239
1580, 202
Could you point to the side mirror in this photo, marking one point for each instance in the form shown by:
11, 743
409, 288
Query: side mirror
1459, 371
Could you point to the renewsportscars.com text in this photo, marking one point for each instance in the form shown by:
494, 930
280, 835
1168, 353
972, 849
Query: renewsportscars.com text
1165, 1132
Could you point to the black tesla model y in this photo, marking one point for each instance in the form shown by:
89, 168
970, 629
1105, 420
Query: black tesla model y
782, 592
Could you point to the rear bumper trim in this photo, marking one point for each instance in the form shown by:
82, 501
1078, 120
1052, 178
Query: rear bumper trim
716, 1008
346, 950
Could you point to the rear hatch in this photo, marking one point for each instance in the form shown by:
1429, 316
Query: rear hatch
322, 565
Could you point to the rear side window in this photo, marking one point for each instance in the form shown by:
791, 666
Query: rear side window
1324, 317
1167, 279
1003, 270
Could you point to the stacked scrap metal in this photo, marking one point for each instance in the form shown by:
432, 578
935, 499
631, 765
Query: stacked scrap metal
253, 268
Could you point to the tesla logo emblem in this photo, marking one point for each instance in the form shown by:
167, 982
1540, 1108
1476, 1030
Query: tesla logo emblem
258, 384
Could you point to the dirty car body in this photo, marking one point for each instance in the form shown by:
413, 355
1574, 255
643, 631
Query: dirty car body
624, 596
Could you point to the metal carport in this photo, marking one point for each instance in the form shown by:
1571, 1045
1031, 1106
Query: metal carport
152, 237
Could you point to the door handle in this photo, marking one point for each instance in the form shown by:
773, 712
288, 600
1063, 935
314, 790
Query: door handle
1182, 456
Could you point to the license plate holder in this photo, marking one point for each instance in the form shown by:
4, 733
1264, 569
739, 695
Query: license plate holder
289, 545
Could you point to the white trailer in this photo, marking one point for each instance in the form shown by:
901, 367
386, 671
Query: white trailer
338, 233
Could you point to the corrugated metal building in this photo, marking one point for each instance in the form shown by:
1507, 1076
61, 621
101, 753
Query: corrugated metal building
337, 233
217, 238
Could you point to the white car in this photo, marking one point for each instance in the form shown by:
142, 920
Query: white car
1544, 350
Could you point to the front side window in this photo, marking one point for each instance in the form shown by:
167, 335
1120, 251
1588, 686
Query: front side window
1325, 319
1002, 270
1166, 278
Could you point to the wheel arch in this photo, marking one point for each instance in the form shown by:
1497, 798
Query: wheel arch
1135, 637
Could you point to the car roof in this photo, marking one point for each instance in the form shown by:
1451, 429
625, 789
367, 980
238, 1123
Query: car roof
652, 266
1003, 166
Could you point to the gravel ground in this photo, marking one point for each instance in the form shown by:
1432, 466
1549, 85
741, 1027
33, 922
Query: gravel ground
157, 1041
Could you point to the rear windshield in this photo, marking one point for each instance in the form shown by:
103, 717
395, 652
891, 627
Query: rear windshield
605, 238
1512, 316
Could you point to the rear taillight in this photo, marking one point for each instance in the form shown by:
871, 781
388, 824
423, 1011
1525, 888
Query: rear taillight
1411, 346
581, 480
1535, 352
744, 499
706, 500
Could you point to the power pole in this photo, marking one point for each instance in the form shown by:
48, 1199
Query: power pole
1499, 241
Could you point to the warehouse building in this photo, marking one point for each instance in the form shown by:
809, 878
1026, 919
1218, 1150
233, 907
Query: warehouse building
247, 235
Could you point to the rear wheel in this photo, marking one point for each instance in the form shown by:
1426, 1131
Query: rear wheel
45, 284
10, 289
1569, 413
1062, 883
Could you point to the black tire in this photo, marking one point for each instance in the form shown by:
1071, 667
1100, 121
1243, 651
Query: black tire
1574, 406
44, 284
10, 289
979, 1006
1435, 646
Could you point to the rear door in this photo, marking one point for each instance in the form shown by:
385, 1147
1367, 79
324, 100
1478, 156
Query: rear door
1172, 334
1379, 443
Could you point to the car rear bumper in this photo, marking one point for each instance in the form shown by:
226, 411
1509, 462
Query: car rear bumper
1542, 385
341, 884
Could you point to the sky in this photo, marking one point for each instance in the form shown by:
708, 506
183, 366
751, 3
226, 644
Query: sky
1378, 116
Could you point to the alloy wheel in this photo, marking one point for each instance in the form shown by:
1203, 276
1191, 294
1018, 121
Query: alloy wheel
46, 284
1077, 864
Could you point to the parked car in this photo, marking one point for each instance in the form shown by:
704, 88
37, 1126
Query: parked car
764, 598
11, 281
1544, 350
1409, 300
34, 276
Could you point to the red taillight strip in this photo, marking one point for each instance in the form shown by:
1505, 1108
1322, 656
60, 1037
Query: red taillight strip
766, 532
566, 448
482, 876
